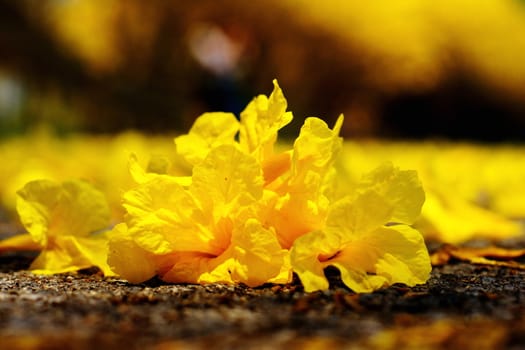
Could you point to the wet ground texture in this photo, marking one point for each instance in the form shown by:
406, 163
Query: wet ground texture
462, 306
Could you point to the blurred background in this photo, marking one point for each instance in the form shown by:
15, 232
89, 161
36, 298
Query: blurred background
413, 69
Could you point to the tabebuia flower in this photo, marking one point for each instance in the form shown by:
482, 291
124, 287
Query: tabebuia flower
208, 232
66, 222
367, 236
250, 214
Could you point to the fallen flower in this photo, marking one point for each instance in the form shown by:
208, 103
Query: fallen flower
244, 204
367, 237
452, 219
491, 255
235, 219
62, 221
209, 232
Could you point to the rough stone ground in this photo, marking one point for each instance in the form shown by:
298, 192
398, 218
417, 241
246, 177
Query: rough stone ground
462, 306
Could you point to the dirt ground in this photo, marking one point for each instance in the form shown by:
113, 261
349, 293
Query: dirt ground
462, 306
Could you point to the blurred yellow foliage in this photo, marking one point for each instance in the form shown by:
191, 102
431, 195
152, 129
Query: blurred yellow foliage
415, 43
471, 190
97, 30
86, 27
411, 44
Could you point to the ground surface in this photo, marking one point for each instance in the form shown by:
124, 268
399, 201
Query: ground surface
462, 306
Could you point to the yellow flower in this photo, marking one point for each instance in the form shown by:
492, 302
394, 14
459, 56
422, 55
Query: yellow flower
208, 232
245, 205
301, 193
62, 220
297, 181
257, 130
208, 228
367, 236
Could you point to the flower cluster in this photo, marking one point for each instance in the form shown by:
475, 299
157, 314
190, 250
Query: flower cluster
248, 213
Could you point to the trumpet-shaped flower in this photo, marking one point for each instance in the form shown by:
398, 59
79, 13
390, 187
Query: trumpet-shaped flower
367, 236
62, 221
208, 232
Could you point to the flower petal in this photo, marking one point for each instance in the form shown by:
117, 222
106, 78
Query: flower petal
301, 206
261, 120
19, 242
358, 280
292, 216
194, 267
208, 131
315, 150
127, 259
254, 257
48, 209
387, 255
229, 178
35, 204
141, 176
355, 217
71, 254
258, 253
307, 257
401, 188
164, 217
95, 250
